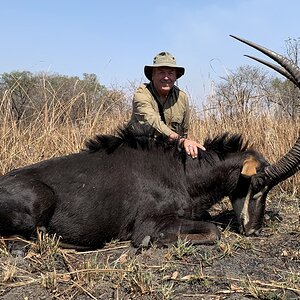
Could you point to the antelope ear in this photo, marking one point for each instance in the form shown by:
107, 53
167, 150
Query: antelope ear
249, 166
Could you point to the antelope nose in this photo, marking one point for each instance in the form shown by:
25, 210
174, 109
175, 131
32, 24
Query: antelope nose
250, 232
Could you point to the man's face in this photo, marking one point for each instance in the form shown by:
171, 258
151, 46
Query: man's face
163, 79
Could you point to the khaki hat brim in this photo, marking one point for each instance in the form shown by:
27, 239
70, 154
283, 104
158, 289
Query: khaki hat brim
148, 70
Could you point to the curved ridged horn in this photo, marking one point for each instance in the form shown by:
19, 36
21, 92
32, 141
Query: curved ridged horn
290, 70
289, 164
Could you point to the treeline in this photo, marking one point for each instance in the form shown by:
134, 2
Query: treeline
244, 92
25, 95
250, 91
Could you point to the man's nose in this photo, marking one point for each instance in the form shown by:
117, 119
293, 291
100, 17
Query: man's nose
167, 77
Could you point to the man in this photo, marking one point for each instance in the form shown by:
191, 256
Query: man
163, 105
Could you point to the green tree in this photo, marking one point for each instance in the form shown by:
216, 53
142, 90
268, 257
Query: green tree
241, 92
27, 95
18, 88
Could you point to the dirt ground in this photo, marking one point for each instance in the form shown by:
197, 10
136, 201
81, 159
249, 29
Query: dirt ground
237, 267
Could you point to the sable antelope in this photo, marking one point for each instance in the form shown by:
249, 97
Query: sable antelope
132, 186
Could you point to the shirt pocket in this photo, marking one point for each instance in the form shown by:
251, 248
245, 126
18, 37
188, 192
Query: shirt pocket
177, 119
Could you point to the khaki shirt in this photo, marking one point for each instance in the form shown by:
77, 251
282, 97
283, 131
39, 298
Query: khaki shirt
176, 110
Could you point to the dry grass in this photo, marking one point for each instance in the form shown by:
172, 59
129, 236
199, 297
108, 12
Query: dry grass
52, 132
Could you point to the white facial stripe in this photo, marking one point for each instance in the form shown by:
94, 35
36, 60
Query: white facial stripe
245, 212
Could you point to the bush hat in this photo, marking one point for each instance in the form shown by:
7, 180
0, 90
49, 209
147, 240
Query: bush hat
163, 59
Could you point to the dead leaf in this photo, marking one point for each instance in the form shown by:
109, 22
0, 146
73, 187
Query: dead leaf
235, 288
187, 277
175, 275
66, 277
123, 258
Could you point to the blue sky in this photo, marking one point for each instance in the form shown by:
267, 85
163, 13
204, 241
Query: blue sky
115, 39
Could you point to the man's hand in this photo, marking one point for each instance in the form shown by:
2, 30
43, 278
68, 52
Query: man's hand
190, 146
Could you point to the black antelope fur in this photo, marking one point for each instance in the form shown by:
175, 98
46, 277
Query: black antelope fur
132, 186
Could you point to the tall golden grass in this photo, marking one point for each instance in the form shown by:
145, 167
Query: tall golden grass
49, 135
